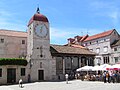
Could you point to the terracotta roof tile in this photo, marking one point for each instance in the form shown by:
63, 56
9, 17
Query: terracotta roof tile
71, 50
84, 37
106, 33
13, 33
71, 40
78, 46
38, 17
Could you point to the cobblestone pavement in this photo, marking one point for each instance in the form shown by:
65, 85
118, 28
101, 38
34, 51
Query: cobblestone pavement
72, 85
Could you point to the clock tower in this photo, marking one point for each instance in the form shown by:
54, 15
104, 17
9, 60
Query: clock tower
38, 49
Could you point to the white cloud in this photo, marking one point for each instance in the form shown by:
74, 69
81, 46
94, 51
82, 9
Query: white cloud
102, 5
60, 35
7, 21
106, 9
114, 16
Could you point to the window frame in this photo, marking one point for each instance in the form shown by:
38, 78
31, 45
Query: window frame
23, 71
23, 41
0, 72
2, 40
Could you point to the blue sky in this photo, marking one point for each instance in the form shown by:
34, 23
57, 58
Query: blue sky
68, 18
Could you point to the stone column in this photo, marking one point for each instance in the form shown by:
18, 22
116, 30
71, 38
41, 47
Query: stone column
63, 65
79, 61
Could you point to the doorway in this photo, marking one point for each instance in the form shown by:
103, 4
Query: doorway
11, 75
40, 74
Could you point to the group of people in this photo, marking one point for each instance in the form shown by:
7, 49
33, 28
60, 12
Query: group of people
106, 76
111, 76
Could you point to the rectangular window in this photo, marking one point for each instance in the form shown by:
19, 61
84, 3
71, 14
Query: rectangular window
90, 43
23, 41
0, 72
115, 49
105, 48
2, 40
96, 41
116, 59
106, 59
40, 64
22, 71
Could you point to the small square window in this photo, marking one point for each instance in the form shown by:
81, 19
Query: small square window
23, 41
116, 59
115, 49
22, 71
0, 72
2, 40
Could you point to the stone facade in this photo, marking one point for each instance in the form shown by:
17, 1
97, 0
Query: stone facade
116, 51
43, 63
100, 44
12, 46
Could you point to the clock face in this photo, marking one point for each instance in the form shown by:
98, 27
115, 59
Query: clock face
41, 30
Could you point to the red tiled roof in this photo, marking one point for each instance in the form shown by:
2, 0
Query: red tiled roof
13, 33
77, 46
84, 37
106, 33
38, 17
71, 40
78, 38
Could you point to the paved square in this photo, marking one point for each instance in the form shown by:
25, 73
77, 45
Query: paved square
73, 85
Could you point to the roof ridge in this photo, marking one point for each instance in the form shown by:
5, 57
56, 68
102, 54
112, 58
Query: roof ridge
12, 30
103, 32
99, 35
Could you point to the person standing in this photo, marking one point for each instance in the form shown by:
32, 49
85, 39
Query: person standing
104, 76
66, 77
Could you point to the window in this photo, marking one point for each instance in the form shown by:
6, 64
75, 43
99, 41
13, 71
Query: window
105, 48
116, 59
98, 59
0, 72
40, 64
30, 32
114, 33
96, 41
115, 49
106, 59
91, 49
22, 71
97, 50
23, 41
90, 43
2, 40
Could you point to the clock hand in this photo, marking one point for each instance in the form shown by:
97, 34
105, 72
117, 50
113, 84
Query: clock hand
41, 30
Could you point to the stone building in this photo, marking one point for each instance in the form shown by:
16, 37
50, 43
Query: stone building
44, 61
100, 43
116, 51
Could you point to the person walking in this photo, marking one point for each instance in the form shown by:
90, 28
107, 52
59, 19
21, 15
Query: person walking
20, 83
